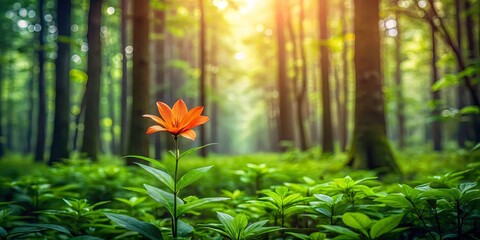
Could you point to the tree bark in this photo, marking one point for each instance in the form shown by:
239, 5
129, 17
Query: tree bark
203, 63
160, 66
214, 113
462, 131
302, 99
436, 129
398, 84
59, 147
285, 120
91, 137
343, 109
370, 148
138, 140
327, 128
42, 113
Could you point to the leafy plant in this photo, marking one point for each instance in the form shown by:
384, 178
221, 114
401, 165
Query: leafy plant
237, 228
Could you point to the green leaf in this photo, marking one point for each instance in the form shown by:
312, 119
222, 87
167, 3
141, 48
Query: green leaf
3, 232
227, 222
147, 229
192, 176
342, 230
150, 160
135, 189
85, 237
55, 227
164, 177
470, 110
184, 229
324, 198
191, 150
357, 220
193, 204
165, 198
385, 225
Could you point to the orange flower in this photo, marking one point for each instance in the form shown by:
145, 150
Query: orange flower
177, 120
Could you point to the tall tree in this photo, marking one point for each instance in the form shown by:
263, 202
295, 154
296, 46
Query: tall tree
462, 131
370, 148
91, 137
203, 64
436, 129
160, 17
138, 140
42, 102
125, 90
285, 119
302, 101
2, 137
398, 81
327, 130
343, 105
59, 147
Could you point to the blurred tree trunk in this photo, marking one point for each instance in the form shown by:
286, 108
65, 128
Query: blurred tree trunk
2, 137
370, 148
327, 128
214, 113
436, 129
78, 118
31, 107
125, 92
285, 119
91, 137
59, 147
138, 140
302, 100
160, 66
398, 82
203, 63
343, 93
111, 110
462, 131
473, 54
42, 113
9, 105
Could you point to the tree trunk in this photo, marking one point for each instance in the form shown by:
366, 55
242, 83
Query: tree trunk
214, 113
91, 137
59, 147
78, 118
473, 53
370, 148
436, 129
462, 131
285, 119
2, 137
302, 99
343, 109
160, 67
203, 63
42, 113
327, 129
398, 84
125, 92
31, 113
138, 140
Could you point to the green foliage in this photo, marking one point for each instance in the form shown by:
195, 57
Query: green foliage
133, 224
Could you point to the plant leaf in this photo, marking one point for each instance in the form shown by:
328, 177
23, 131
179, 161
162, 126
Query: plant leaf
341, 230
193, 204
191, 150
147, 229
357, 220
165, 198
192, 176
164, 177
385, 225
184, 229
150, 160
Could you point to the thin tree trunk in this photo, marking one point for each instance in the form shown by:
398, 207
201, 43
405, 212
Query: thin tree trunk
138, 140
125, 91
302, 100
160, 67
31, 115
436, 130
398, 84
203, 63
343, 108
327, 130
214, 113
91, 137
462, 131
473, 53
42, 113
78, 118
370, 148
285, 119
2, 137
59, 147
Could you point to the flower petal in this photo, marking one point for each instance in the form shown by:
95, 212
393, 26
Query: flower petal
189, 134
155, 128
165, 112
197, 121
155, 118
191, 115
179, 110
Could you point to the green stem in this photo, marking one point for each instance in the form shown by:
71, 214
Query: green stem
459, 221
175, 192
